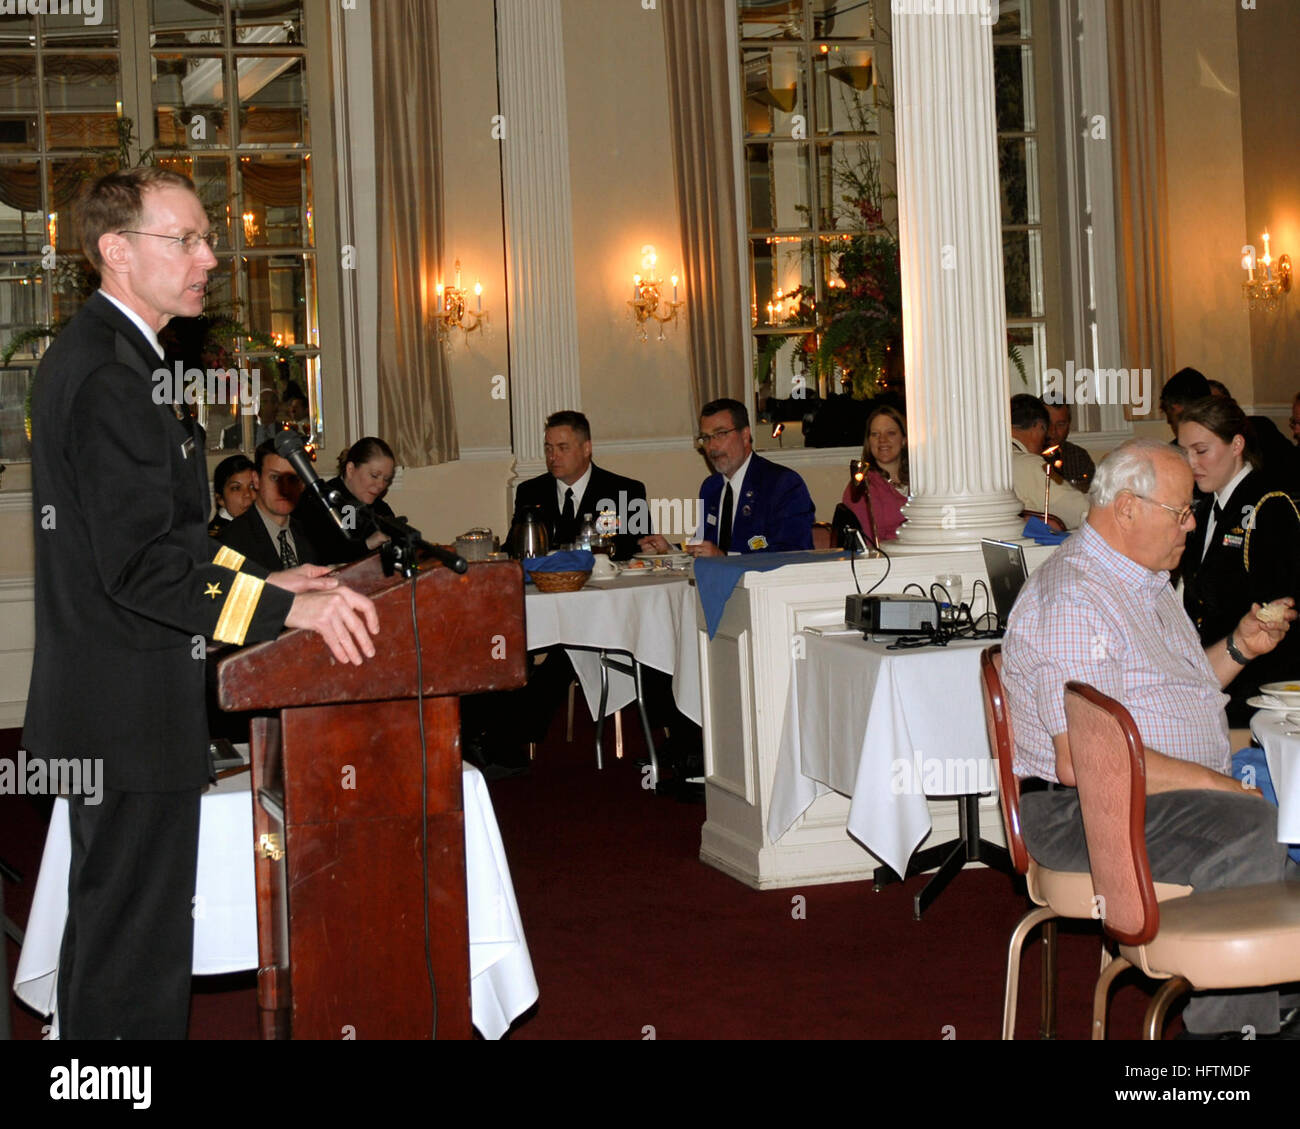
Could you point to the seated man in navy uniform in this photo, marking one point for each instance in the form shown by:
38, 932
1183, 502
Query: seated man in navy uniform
749, 504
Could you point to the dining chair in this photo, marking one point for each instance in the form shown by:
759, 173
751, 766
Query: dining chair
1055, 893
1213, 940
627, 664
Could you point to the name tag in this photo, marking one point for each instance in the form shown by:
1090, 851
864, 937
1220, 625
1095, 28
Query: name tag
1232, 541
187, 448
711, 519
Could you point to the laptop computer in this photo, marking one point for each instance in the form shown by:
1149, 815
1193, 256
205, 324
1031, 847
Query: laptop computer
1005, 563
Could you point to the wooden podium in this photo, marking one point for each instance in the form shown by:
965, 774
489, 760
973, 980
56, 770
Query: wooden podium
337, 805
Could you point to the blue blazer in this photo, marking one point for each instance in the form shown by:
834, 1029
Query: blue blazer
773, 513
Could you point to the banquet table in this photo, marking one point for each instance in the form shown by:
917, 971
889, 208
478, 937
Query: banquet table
887, 729
650, 616
502, 985
1282, 751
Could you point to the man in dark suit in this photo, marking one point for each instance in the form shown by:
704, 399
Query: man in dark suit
749, 504
573, 486
128, 585
267, 532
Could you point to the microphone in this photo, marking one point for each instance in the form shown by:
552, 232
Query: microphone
403, 538
289, 445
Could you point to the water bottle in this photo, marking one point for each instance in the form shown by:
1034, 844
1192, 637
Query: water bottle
587, 535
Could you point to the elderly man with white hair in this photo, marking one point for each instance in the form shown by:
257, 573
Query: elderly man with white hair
1101, 610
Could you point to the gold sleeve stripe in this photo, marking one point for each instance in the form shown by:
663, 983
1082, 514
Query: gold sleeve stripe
237, 611
227, 558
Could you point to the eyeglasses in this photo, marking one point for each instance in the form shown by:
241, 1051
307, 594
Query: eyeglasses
1182, 515
189, 242
721, 433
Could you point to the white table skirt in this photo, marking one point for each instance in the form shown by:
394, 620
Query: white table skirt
1283, 755
886, 728
502, 985
651, 617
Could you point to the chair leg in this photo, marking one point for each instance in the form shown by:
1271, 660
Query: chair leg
645, 725
5, 1032
1100, 996
1047, 1018
1018, 935
1154, 1022
568, 728
618, 735
600, 717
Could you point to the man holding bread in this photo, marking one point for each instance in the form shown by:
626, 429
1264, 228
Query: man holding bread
1101, 611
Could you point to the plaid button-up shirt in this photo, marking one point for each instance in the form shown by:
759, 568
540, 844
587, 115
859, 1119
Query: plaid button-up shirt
1093, 615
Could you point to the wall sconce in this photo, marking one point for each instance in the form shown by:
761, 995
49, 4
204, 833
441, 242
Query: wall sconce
453, 312
1265, 291
646, 291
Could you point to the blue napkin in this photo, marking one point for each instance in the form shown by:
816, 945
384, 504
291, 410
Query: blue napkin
576, 561
1038, 530
716, 577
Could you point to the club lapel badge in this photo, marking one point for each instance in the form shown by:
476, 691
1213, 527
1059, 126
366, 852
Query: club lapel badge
757, 544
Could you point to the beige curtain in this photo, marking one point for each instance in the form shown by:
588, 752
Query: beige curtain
704, 171
1141, 200
416, 415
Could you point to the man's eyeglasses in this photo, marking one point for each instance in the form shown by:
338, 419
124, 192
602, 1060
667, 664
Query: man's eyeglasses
189, 242
1181, 515
721, 433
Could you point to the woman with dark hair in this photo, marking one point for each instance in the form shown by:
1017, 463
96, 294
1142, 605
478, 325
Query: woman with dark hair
1246, 546
233, 483
365, 474
877, 499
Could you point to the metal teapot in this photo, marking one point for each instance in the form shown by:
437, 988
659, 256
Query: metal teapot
528, 534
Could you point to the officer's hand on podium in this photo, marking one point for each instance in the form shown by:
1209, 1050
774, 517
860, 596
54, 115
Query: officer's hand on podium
343, 618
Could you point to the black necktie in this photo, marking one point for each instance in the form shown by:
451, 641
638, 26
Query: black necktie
288, 558
566, 515
1218, 513
724, 525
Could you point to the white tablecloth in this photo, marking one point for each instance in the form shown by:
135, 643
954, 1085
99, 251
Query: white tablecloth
886, 728
1283, 755
502, 985
650, 617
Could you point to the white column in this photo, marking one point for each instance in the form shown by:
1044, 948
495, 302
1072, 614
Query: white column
954, 320
540, 277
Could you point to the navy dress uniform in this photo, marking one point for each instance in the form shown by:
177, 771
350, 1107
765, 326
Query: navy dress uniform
129, 586
1253, 556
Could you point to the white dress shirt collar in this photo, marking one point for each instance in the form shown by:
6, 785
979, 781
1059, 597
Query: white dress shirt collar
1222, 497
143, 326
737, 480
579, 488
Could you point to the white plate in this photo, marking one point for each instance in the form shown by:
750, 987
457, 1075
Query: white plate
1288, 691
1274, 705
669, 560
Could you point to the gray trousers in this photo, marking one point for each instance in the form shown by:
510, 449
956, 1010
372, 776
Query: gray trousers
1200, 838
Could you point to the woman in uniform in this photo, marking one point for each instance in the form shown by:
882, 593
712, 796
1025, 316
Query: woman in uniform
1245, 548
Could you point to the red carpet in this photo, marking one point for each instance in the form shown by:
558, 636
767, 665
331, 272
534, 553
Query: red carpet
630, 932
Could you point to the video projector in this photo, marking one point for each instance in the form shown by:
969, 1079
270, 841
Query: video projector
891, 615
